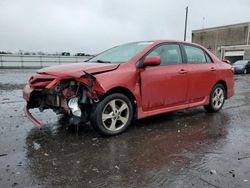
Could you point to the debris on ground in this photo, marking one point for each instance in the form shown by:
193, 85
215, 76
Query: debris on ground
95, 170
209, 183
247, 157
117, 167
232, 172
14, 184
213, 171
2, 155
36, 146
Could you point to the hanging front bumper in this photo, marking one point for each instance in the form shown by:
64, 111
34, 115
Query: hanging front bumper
32, 118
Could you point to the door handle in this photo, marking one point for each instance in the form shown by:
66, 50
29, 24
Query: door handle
212, 69
182, 71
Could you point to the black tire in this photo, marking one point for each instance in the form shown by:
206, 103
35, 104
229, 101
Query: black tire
98, 111
64, 119
211, 107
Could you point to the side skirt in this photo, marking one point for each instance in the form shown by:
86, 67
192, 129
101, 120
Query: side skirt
143, 114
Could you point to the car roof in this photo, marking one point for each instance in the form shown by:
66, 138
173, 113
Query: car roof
176, 41
168, 41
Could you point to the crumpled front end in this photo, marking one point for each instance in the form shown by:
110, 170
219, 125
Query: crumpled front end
62, 94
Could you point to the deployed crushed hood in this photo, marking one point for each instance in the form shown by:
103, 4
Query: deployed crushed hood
77, 69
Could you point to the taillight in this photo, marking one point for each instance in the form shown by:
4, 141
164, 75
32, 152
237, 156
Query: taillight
232, 69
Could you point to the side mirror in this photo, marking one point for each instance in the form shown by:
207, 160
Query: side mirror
152, 61
226, 61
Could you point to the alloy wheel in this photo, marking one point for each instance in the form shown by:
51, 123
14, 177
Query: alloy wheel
115, 115
218, 98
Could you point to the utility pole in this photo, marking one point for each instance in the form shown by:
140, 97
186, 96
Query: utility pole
185, 32
203, 22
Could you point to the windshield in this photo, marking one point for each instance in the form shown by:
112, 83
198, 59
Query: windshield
241, 62
121, 54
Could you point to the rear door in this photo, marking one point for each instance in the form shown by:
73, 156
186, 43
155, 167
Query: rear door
201, 73
164, 85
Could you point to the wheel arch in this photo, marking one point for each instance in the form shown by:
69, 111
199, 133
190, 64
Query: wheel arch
125, 91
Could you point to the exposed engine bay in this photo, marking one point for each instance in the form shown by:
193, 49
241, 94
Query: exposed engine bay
71, 96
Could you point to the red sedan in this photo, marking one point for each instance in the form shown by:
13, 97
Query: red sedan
132, 81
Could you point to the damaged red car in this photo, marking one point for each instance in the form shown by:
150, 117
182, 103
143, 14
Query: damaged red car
132, 81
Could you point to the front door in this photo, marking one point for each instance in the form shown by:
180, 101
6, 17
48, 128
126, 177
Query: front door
164, 85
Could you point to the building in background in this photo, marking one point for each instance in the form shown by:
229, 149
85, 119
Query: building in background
231, 42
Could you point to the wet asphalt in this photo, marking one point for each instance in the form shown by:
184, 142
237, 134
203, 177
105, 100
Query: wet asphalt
188, 148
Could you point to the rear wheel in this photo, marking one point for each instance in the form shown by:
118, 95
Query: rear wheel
217, 99
112, 115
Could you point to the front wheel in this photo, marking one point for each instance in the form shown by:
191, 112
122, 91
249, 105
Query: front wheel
217, 99
112, 115
245, 71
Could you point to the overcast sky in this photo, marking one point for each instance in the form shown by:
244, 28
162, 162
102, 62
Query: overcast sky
91, 26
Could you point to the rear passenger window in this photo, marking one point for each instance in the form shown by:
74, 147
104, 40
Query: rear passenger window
195, 55
170, 54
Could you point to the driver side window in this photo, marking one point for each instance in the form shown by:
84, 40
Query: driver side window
170, 54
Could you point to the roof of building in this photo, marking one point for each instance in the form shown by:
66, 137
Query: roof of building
222, 27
